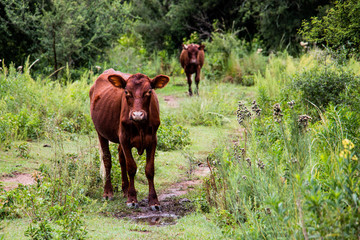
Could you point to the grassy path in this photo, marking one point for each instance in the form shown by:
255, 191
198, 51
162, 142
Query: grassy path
173, 167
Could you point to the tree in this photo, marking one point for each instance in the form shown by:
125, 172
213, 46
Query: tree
60, 31
340, 28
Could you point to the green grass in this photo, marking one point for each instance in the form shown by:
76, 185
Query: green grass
194, 226
170, 167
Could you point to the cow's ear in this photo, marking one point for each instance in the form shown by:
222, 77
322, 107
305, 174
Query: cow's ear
202, 47
159, 81
117, 81
184, 46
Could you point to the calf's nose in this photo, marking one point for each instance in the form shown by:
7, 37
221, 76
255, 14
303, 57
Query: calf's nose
138, 115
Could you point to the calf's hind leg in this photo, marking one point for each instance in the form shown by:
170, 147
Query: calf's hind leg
106, 158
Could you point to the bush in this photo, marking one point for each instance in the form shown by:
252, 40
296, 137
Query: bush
233, 60
324, 86
172, 136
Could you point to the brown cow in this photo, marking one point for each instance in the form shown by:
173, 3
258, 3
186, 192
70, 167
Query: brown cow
125, 110
192, 60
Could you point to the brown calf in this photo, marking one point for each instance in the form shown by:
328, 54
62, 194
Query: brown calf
192, 60
125, 110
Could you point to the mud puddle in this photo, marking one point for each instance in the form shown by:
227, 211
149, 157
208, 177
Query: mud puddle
173, 207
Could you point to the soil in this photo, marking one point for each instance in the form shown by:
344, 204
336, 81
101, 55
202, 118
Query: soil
173, 206
16, 178
171, 101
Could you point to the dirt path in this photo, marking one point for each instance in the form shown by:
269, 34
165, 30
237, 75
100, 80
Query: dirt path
173, 206
16, 178
172, 101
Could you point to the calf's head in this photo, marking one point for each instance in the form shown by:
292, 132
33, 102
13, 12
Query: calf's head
138, 91
193, 50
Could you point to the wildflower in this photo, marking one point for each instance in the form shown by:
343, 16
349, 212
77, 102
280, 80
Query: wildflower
347, 144
98, 68
259, 50
345, 153
294, 160
304, 44
260, 164
256, 108
303, 121
291, 104
244, 177
20, 68
277, 113
354, 158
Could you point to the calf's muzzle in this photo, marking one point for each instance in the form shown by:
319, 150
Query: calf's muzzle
137, 116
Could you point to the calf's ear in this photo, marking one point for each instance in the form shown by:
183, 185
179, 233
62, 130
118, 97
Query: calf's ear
184, 46
159, 81
117, 81
202, 47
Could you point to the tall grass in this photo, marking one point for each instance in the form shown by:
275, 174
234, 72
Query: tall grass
289, 176
28, 105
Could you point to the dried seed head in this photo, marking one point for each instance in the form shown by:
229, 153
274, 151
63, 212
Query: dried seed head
244, 177
303, 121
248, 161
268, 211
260, 164
277, 113
291, 104
255, 108
294, 160
242, 113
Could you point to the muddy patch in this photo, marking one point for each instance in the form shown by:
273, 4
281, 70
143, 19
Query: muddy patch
171, 210
15, 178
171, 101
173, 206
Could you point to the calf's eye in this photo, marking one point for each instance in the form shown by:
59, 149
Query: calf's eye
148, 93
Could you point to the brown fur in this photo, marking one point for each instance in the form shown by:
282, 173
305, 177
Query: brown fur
125, 110
192, 59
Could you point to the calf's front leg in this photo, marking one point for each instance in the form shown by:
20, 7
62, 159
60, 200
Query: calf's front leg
150, 173
188, 76
131, 171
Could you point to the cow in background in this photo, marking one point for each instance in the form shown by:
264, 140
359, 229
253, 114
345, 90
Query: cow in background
125, 110
192, 60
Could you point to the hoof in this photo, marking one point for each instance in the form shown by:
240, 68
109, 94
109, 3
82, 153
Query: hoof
155, 207
132, 205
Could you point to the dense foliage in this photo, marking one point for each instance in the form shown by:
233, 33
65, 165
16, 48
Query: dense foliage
59, 32
338, 29
294, 171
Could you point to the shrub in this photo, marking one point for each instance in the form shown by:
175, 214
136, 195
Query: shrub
324, 86
232, 59
172, 136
